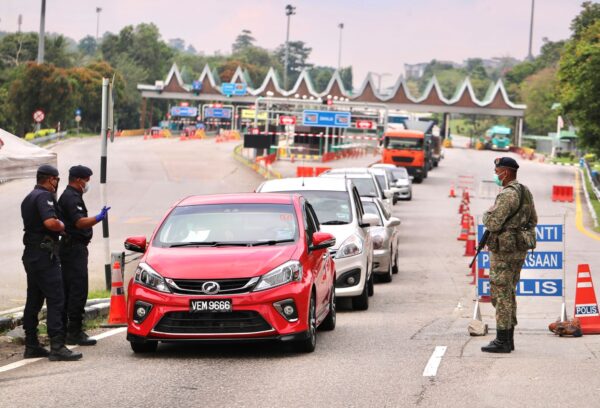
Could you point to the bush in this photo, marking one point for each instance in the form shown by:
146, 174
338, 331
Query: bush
590, 157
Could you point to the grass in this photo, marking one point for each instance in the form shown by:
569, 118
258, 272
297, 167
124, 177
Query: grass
565, 160
593, 199
99, 294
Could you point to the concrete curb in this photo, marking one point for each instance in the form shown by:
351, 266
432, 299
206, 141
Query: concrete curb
94, 308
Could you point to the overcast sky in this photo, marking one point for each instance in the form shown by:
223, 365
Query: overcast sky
378, 35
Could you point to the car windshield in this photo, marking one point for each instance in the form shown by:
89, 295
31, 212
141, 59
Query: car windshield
371, 208
228, 224
400, 174
332, 207
409, 143
365, 186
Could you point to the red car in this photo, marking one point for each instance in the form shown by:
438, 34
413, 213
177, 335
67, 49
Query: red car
233, 267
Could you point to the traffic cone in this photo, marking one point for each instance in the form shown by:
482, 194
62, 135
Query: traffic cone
470, 244
461, 207
586, 307
117, 317
466, 196
452, 194
464, 233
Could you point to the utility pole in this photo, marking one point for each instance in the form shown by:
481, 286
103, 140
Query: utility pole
341, 27
98, 10
42, 35
19, 22
289, 11
379, 76
530, 54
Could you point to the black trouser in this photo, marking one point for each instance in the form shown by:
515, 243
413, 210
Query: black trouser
44, 281
74, 260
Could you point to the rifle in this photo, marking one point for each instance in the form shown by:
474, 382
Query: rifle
480, 246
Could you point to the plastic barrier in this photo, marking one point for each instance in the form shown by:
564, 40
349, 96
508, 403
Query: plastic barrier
319, 170
562, 193
305, 171
586, 307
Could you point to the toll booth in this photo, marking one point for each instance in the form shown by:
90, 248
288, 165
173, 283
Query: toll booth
217, 116
181, 117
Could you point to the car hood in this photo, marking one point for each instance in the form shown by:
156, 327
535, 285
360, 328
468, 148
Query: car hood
218, 263
403, 182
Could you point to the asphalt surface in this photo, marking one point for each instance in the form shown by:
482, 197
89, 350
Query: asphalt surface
374, 358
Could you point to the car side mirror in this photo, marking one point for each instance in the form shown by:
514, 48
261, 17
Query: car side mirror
388, 193
136, 244
369, 220
393, 222
322, 240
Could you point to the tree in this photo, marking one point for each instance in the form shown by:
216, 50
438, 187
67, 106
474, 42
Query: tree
297, 58
539, 93
588, 17
177, 44
87, 45
18, 48
58, 52
243, 41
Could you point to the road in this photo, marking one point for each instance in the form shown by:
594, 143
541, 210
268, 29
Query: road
374, 358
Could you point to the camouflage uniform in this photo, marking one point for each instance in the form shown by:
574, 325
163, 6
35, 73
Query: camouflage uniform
506, 253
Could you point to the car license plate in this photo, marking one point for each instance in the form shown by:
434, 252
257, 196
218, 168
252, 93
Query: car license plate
213, 305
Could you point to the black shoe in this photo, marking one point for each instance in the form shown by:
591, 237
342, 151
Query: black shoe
36, 351
500, 345
511, 338
58, 351
81, 339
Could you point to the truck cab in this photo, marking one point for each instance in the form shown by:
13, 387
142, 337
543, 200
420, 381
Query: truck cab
409, 149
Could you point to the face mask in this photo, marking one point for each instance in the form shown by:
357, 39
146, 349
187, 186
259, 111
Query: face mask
497, 180
86, 188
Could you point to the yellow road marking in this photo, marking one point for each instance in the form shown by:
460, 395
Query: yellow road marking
579, 212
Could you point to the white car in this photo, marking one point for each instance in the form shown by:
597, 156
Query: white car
402, 180
366, 183
340, 212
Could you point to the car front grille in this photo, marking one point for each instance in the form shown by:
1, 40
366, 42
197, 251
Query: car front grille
226, 286
398, 159
212, 323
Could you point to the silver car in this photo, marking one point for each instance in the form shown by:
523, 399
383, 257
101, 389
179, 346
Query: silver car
366, 183
401, 180
385, 239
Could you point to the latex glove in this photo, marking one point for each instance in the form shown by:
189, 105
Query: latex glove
102, 214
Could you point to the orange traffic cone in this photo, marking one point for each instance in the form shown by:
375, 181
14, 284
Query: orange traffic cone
464, 233
461, 207
586, 307
470, 244
466, 196
117, 316
452, 193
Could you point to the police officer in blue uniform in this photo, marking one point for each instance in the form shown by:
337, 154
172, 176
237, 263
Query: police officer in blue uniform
74, 252
44, 277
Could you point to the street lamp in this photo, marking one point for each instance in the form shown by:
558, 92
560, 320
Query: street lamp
289, 11
530, 54
98, 11
379, 76
42, 35
341, 27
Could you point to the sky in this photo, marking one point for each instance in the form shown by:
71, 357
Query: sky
378, 35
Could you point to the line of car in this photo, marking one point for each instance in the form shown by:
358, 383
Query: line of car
267, 265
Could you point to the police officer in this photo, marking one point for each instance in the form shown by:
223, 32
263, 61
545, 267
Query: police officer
40, 259
74, 252
512, 213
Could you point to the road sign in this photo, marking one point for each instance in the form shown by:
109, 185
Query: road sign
233, 89
543, 232
221, 113
196, 86
533, 260
326, 118
251, 114
78, 118
184, 111
77, 112
287, 120
528, 287
38, 115
364, 124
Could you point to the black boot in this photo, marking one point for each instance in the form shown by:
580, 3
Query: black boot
500, 345
76, 335
33, 349
511, 338
58, 351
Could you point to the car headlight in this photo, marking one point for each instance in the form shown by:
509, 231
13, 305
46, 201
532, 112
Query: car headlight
290, 271
353, 245
378, 240
146, 276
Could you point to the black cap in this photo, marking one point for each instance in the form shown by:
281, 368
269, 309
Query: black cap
508, 162
80, 171
47, 170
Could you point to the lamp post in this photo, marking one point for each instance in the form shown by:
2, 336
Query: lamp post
530, 54
42, 35
341, 27
289, 11
379, 76
98, 11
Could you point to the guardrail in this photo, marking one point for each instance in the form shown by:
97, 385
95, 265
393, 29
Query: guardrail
44, 139
263, 170
585, 172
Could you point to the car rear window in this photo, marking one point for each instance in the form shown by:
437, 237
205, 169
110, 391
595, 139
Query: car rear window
331, 207
365, 186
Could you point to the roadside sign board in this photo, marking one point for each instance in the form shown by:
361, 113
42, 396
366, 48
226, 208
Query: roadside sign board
326, 118
251, 114
528, 287
184, 111
364, 124
78, 118
38, 115
233, 89
78, 112
196, 86
220, 113
287, 120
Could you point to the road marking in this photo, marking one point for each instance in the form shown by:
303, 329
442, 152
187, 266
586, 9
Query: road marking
579, 212
434, 361
27, 361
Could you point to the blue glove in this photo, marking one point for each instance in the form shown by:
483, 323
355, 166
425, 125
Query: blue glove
102, 214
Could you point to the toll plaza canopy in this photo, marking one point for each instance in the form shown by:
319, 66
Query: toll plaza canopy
20, 159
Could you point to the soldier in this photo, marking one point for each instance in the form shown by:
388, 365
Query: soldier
40, 259
74, 252
511, 221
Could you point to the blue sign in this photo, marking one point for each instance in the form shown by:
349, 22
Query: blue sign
533, 260
543, 232
326, 118
527, 287
233, 89
196, 86
221, 113
184, 111
587, 310
77, 112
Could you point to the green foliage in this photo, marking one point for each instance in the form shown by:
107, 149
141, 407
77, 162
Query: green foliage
539, 93
588, 17
88, 45
298, 55
243, 41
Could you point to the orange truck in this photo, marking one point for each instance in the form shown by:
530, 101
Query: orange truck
410, 149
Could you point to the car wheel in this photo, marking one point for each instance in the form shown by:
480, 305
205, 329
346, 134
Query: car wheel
409, 197
388, 276
308, 345
329, 322
361, 302
146, 347
371, 283
395, 268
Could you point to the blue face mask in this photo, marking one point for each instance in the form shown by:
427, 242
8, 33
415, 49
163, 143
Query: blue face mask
497, 180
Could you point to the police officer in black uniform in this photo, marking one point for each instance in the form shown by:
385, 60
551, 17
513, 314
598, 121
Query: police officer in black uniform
40, 258
74, 252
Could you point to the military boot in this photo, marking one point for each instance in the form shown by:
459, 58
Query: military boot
500, 345
58, 351
511, 338
33, 348
76, 335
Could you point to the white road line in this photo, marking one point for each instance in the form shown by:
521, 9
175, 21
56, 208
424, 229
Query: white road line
434, 361
24, 362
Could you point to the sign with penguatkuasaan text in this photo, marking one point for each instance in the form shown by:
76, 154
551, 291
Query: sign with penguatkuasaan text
221, 113
251, 114
233, 89
543, 232
184, 111
326, 118
527, 287
533, 260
